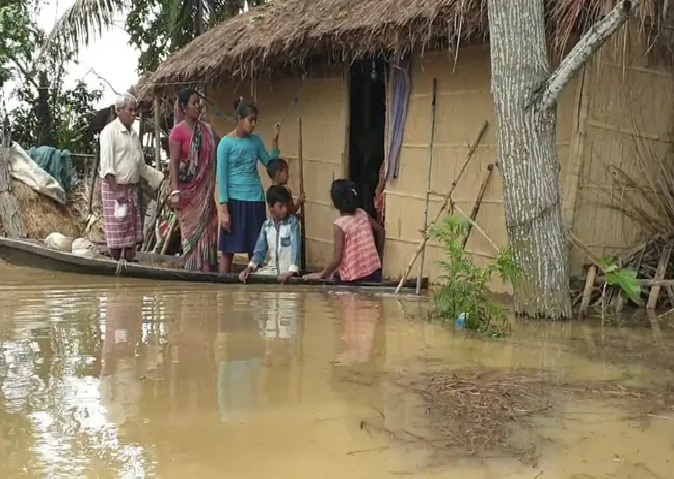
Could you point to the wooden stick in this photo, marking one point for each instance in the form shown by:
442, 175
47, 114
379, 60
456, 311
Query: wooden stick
587, 291
300, 165
94, 177
157, 131
645, 282
478, 228
444, 205
428, 179
478, 202
659, 274
169, 233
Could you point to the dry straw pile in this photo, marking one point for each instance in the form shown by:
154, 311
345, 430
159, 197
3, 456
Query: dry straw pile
492, 412
42, 215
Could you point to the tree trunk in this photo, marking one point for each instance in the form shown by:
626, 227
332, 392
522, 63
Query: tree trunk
527, 153
525, 97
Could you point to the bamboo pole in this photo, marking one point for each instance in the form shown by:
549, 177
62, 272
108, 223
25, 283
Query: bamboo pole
157, 132
444, 205
478, 202
428, 180
94, 177
169, 234
300, 164
659, 274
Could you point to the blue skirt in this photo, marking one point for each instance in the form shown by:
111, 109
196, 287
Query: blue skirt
247, 218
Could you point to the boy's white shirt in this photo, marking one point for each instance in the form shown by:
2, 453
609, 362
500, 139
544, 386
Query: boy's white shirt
281, 255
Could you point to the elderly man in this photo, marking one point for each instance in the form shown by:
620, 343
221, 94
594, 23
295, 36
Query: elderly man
122, 165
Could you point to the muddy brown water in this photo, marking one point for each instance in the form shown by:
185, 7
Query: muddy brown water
105, 377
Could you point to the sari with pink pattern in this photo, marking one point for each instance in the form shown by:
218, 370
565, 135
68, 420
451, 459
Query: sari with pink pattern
196, 182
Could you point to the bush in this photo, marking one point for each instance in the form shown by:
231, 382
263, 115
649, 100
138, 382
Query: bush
464, 287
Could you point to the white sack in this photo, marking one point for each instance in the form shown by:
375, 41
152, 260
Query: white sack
24, 169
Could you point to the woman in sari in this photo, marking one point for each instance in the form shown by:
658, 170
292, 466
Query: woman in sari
192, 146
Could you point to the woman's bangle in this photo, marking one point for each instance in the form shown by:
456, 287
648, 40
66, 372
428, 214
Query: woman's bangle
175, 192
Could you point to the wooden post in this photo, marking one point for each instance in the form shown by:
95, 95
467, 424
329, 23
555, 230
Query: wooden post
94, 177
576, 158
157, 133
428, 181
659, 274
141, 127
587, 291
300, 164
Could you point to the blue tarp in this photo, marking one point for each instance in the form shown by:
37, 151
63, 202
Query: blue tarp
57, 163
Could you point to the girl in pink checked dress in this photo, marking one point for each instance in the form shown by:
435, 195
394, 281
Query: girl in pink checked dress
358, 240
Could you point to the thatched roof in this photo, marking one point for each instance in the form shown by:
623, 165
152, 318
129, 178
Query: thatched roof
288, 33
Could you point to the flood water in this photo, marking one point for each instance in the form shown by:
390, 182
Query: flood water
105, 377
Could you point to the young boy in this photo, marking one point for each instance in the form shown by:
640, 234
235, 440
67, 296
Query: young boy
278, 172
280, 236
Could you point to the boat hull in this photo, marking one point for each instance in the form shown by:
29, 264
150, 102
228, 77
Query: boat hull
28, 253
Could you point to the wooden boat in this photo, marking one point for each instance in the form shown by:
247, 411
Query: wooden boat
34, 254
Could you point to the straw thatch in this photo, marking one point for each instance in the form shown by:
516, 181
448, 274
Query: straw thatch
292, 33
42, 215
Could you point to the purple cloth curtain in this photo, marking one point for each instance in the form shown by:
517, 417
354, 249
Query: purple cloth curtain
401, 88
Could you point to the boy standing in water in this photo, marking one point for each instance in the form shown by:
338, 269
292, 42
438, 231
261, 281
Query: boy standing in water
280, 236
278, 172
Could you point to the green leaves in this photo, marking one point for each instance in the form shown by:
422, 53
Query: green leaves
47, 113
19, 37
465, 287
624, 278
82, 23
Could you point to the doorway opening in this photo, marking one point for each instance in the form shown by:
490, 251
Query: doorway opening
367, 105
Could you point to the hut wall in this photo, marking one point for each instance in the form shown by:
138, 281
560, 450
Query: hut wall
323, 107
625, 121
617, 109
464, 102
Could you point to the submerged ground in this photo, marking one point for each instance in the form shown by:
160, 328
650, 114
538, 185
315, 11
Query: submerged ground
115, 378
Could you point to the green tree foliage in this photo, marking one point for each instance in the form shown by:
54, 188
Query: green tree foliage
156, 27
18, 38
70, 113
49, 113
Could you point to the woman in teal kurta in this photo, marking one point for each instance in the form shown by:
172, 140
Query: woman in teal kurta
241, 203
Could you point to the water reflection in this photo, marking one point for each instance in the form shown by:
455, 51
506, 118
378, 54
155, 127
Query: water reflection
123, 379
240, 351
119, 388
360, 317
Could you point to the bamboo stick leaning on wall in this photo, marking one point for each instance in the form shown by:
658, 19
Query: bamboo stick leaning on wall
428, 180
445, 203
478, 203
300, 165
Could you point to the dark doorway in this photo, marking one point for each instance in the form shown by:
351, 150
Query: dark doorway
367, 128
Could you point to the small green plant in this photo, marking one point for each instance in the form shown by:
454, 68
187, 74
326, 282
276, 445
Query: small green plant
465, 288
624, 278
